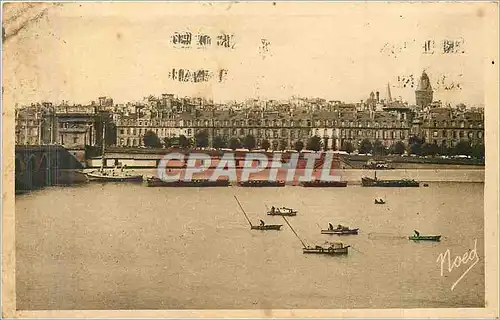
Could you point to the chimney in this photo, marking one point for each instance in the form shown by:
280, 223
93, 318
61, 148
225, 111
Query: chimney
378, 96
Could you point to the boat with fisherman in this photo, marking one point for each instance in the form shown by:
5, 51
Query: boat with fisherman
375, 182
329, 248
418, 237
379, 201
339, 230
283, 211
157, 182
323, 184
262, 226
261, 183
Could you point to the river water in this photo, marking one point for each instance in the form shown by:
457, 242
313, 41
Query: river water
127, 246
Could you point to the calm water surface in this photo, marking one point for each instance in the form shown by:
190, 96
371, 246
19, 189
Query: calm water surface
126, 246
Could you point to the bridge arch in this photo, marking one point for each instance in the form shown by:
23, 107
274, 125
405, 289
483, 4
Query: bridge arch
19, 166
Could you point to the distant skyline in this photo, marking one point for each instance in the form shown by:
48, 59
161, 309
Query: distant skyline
336, 51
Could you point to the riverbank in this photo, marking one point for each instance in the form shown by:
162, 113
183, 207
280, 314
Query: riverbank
353, 176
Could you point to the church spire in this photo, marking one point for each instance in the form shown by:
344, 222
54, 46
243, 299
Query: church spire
389, 97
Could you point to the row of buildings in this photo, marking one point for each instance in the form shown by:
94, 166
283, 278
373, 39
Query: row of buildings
282, 123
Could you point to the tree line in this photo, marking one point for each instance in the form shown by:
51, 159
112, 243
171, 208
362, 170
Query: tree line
416, 145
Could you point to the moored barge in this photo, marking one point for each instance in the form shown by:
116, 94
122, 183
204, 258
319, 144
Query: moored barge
375, 182
156, 182
324, 184
261, 183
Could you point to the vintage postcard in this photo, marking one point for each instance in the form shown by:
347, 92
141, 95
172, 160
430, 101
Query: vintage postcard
250, 160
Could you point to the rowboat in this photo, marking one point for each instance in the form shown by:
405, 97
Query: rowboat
424, 238
283, 211
379, 201
335, 248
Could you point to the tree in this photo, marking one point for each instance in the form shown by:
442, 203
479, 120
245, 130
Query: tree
365, 146
184, 142
314, 143
415, 145
478, 151
275, 144
249, 142
234, 143
463, 148
378, 148
325, 143
398, 148
167, 142
201, 139
429, 149
151, 140
219, 143
299, 145
283, 145
265, 144
347, 147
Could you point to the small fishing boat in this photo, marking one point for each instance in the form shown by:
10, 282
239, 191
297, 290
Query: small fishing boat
283, 211
324, 184
262, 225
425, 238
418, 237
261, 183
379, 201
333, 248
267, 227
340, 230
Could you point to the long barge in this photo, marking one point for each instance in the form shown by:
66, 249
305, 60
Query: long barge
261, 183
156, 182
324, 184
375, 182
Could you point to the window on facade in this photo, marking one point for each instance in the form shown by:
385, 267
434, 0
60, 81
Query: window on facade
471, 134
122, 131
190, 132
242, 132
462, 124
461, 134
480, 135
454, 134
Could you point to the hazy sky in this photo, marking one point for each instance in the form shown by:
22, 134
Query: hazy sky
338, 51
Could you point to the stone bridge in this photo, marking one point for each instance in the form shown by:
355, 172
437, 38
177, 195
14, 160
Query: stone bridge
45, 165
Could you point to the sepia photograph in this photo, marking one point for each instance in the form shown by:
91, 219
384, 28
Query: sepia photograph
210, 159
